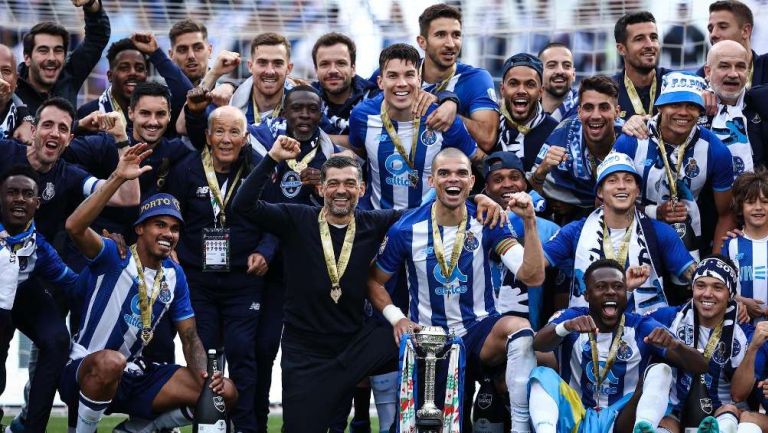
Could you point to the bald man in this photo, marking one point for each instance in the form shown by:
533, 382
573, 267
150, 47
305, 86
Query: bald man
15, 121
738, 122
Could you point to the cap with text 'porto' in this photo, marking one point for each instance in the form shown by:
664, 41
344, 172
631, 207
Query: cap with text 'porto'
158, 205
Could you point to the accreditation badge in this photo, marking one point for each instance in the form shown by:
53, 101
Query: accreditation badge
216, 249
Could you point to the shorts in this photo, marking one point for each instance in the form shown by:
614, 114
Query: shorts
474, 340
137, 389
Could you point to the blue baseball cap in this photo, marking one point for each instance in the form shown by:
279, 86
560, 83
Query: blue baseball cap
501, 159
613, 163
523, 59
681, 87
157, 205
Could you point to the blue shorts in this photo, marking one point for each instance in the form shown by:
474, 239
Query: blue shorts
475, 338
135, 393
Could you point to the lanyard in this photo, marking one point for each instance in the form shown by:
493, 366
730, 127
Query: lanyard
213, 186
637, 103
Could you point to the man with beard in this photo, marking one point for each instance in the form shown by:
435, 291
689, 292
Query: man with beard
604, 354
225, 290
334, 56
679, 159
451, 291
617, 230
732, 20
45, 71
14, 120
523, 125
127, 68
559, 98
190, 49
566, 166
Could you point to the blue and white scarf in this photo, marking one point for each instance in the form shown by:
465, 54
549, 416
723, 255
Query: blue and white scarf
11, 248
8, 125
512, 140
730, 126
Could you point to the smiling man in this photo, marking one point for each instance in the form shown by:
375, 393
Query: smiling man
605, 353
13, 112
560, 98
190, 49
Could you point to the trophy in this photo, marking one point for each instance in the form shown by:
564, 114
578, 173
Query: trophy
430, 346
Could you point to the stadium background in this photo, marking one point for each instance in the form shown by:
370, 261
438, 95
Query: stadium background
493, 30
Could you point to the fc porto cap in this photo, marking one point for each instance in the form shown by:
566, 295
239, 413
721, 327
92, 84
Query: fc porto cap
681, 87
613, 163
157, 205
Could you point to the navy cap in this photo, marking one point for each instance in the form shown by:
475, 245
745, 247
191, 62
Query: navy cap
157, 205
501, 159
523, 59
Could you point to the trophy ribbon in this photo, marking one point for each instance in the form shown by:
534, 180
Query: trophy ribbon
335, 269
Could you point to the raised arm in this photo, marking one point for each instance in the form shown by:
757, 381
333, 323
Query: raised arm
531, 270
97, 31
549, 337
743, 380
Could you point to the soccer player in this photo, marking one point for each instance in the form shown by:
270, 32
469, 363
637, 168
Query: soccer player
25, 255
618, 230
105, 369
566, 166
732, 20
560, 98
637, 40
708, 322
190, 49
13, 112
334, 55
399, 145
523, 125
47, 71
448, 275
737, 107
679, 159
128, 68
749, 250
750, 376
604, 354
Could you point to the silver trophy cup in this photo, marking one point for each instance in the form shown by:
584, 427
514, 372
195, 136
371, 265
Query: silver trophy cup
430, 346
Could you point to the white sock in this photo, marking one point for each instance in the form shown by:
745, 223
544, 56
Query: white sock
544, 412
727, 422
520, 361
385, 387
89, 413
171, 419
748, 427
651, 408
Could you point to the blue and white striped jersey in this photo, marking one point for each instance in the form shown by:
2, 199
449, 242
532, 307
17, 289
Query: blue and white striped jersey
388, 173
751, 259
455, 303
574, 356
111, 318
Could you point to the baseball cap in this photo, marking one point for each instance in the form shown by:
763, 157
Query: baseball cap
615, 162
501, 159
159, 204
681, 87
523, 59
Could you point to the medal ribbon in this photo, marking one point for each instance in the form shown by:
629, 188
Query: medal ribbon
443, 84
714, 338
458, 244
672, 177
145, 304
115, 105
390, 128
257, 114
612, 352
301, 165
637, 103
608, 248
213, 185
335, 269
523, 129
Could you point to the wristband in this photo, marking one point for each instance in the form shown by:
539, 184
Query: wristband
122, 144
445, 96
392, 314
561, 331
650, 210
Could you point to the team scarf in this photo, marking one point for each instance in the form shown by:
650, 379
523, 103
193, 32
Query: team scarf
8, 124
409, 386
510, 138
11, 248
650, 295
685, 323
563, 111
730, 126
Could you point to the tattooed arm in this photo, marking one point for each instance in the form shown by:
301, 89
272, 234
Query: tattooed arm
194, 352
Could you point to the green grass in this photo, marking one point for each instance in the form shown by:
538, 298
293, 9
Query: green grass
58, 424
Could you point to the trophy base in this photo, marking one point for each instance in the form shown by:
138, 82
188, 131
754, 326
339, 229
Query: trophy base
429, 425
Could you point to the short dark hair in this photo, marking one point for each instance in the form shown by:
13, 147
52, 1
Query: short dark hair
186, 26
271, 38
600, 264
334, 38
747, 187
150, 88
620, 29
552, 45
120, 46
398, 51
340, 162
440, 10
60, 103
20, 170
741, 11
601, 84
300, 88
46, 28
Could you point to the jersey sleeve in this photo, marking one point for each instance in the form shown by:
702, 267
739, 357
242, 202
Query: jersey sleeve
457, 136
664, 315
644, 328
626, 145
51, 267
181, 307
357, 128
85, 181
107, 258
562, 246
722, 166
567, 314
677, 259
392, 251
483, 96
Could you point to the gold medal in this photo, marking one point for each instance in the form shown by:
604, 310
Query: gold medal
146, 336
612, 352
637, 103
145, 302
213, 186
458, 243
623, 251
299, 166
335, 269
410, 159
